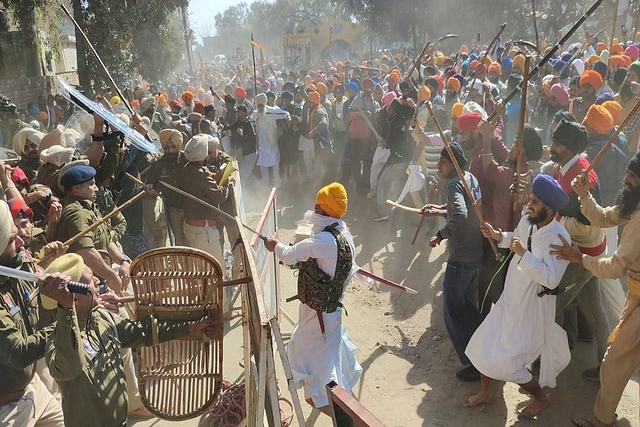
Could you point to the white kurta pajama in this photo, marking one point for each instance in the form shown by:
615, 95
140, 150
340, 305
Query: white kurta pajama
315, 362
521, 326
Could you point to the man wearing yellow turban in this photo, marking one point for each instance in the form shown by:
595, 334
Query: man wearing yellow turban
24, 398
318, 349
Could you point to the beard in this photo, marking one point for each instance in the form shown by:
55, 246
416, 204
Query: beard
12, 260
541, 216
173, 157
627, 200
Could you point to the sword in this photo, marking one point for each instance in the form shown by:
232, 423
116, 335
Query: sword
368, 122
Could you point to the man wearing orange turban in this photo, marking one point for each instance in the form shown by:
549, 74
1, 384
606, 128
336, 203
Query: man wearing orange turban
590, 82
612, 166
241, 99
318, 349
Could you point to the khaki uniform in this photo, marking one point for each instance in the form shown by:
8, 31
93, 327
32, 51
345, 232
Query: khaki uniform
229, 205
78, 214
169, 171
24, 400
88, 367
48, 175
202, 225
623, 355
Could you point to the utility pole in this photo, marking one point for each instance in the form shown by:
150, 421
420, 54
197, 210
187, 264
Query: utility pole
187, 37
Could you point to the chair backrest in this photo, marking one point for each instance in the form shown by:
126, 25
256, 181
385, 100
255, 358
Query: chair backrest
179, 379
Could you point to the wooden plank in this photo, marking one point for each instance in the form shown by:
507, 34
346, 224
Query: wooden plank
295, 399
342, 400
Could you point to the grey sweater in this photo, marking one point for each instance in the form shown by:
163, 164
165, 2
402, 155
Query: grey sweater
462, 228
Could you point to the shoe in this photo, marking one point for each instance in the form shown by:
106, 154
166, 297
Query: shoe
371, 194
592, 374
468, 374
381, 218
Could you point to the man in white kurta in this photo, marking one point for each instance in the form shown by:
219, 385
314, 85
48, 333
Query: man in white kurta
314, 361
521, 326
265, 118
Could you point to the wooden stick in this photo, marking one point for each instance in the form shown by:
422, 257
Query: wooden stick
418, 59
112, 83
612, 139
403, 207
415, 236
463, 181
615, 20
535, 26
523, 118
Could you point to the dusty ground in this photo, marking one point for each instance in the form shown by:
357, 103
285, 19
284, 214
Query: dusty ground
409, 363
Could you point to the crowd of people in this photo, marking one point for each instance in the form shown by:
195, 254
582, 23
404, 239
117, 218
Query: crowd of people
501, 192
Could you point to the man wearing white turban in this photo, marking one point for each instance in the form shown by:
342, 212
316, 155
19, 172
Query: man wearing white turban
25, 144
202, 225
24, 399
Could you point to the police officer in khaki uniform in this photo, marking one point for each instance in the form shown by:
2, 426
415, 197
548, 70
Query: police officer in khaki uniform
79, 212
83, 355
168, 169
202, 225
24, 399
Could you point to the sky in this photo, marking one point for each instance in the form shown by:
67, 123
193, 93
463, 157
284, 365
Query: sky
203, 12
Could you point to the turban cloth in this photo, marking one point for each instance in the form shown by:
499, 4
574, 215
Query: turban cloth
42, 116
20, 139
495, 68
175, 104
617, 49
147, 103
549, 192
469, 122
424, 93
591, 77
261, 98
115, 100
6, 223
70, 265
599, 119
171, 135
367, 84
19, 177
600, 47
600, 68
135, 104
615, 109
188, 95
593, 58
321, 88
57, 155
197, 148
518, 61
634, 164
456, 110
454, 84
560, 93
198, 107
393, 78
333, 199
632, 52
578, 64
458, 153
635, 67
240, 92
616, 61
388, 97
314, 97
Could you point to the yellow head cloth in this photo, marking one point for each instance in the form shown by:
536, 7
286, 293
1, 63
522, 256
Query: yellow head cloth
333, 199
68, 264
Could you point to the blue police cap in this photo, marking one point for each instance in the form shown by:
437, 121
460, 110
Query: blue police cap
77, 175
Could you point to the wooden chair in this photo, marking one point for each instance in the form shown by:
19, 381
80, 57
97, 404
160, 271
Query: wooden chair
179, 379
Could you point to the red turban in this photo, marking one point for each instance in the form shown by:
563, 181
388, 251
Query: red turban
469, 122
240, 92
199, 107
314, 97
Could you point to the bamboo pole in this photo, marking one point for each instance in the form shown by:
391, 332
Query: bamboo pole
523, 119
463, 181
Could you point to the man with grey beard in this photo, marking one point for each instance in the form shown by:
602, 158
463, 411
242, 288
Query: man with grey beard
623, 354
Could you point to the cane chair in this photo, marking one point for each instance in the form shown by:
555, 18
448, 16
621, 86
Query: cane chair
179, 379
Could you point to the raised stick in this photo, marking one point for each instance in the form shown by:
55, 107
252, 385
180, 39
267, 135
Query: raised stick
463, 181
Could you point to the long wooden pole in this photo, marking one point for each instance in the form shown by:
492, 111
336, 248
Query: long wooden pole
612, 138
523, 119
635, 25
552, 52
613, 30
463, 181
253, 56
535, 25
112, 83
